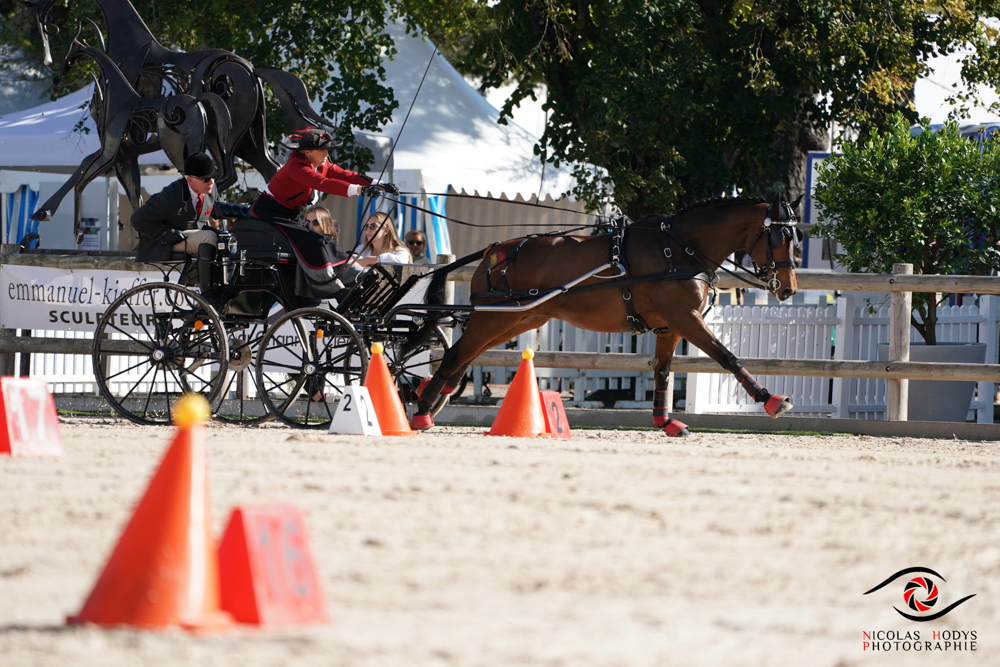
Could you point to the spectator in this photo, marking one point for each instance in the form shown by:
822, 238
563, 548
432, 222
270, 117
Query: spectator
380, 243
319, 220
416, 243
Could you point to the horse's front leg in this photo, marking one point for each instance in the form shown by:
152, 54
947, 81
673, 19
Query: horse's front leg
665, 345
695, 330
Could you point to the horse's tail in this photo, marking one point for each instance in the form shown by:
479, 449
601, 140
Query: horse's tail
435, 291
435, 296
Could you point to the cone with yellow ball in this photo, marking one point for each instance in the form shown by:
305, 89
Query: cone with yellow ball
520, 414
164, 570
385, 399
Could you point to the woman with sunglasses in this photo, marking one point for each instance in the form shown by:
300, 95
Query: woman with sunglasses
380, 243
308, 172
319, 220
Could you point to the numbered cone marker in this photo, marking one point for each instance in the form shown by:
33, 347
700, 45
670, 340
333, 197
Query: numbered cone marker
555, 415
268, 575
355, 414
164, 569
29, 425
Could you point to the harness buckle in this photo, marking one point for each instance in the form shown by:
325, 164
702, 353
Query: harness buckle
689, 250
533, 292
664, 226
626, 295
667, 253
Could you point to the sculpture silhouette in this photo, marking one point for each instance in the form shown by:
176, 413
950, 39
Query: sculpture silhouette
149, 98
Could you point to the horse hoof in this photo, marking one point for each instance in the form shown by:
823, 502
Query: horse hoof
660, 421
676, 429
777, 406
423, 385
421, 422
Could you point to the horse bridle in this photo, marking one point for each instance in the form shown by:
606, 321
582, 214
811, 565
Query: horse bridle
776, 231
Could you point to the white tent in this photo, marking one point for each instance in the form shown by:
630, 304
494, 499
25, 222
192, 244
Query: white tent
452, 136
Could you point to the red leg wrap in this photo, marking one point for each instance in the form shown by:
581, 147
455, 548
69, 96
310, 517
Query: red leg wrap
674, 428
777, 405
423, 385
660, 408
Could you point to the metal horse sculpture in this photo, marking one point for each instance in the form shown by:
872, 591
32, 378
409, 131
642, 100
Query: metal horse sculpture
664, 267
150, 98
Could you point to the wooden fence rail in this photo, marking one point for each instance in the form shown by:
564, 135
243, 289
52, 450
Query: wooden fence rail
898, 370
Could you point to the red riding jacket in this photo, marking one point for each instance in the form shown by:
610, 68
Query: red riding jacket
294, 183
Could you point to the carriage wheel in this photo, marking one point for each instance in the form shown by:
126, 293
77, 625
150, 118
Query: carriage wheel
410, 370
240, 401
154, 343
304, 362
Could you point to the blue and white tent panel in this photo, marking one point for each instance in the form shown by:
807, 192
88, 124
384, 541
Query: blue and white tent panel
17, 209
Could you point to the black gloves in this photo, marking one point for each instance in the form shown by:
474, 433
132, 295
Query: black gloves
372, 190
391, 189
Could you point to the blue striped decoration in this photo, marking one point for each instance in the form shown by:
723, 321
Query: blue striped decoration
20, 205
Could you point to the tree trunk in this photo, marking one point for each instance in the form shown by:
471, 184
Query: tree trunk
788, 175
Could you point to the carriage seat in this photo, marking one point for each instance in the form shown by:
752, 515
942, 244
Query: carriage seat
261, 241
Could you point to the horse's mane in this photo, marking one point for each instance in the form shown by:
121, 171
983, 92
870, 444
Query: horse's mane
721, 201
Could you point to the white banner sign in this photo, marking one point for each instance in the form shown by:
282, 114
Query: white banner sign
37, 297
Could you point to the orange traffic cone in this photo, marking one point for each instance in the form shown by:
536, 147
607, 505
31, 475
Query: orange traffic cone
520, 414
164, 570
385, 398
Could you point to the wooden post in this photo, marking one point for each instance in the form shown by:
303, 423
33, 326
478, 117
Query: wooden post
844, 350
7, 366
449, 293
25, 366
988, 334
898, 391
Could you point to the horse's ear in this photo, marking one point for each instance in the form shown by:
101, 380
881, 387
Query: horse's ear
795, 204
774, 210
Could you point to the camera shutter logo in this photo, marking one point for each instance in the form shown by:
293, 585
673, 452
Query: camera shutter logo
920, 593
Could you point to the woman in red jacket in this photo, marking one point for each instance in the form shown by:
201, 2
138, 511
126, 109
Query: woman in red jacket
308, 172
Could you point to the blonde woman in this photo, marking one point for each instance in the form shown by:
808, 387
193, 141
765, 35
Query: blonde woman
319, 220
382, 241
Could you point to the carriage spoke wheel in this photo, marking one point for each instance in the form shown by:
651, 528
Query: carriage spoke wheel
410, 367
304, 362
240, 400
154, 343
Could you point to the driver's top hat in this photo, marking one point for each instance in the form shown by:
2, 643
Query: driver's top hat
312, 139
200, 165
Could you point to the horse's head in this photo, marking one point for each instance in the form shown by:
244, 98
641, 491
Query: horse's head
773, 245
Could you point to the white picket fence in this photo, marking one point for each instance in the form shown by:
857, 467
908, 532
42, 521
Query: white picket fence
846, 331
843, 332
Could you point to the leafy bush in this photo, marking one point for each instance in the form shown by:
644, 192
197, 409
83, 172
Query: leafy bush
929, 200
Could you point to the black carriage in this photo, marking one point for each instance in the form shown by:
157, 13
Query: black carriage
239, 325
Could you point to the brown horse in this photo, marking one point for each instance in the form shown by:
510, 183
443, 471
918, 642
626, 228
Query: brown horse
665, 267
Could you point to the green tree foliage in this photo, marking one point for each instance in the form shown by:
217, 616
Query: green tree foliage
930, 200
335, 46
677, 100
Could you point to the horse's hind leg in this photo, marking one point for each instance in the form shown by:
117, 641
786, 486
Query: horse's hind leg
697, 332
665, 345
481, 334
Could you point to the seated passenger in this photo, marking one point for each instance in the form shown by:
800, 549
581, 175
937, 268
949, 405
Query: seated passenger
319, 220
308, 172
380, 243
177, 218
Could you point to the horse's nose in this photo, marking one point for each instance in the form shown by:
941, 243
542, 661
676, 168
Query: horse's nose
786, 293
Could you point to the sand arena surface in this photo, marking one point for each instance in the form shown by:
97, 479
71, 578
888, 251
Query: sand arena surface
614, 548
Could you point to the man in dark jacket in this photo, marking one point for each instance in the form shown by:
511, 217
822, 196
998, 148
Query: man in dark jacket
178, 217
